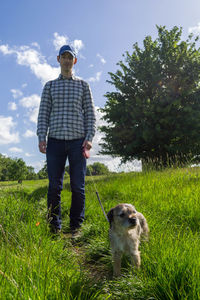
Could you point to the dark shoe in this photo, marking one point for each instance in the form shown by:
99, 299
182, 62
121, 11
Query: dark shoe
55, 230
76, 233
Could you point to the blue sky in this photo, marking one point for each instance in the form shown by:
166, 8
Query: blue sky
31, 32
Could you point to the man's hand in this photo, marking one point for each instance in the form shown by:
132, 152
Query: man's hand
87, 145
42, 147
86, 148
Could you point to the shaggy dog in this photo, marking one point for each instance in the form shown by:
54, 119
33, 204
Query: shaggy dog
126, 227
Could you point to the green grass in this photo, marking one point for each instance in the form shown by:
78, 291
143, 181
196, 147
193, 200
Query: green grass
36, 265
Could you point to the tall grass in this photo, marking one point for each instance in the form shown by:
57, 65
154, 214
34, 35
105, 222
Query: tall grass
36, 265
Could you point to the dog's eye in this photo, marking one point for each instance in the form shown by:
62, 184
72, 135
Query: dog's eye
122, 215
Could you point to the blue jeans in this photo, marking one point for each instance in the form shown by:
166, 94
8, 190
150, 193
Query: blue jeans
57, 153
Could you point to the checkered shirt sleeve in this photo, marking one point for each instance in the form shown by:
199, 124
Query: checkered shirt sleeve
44, 113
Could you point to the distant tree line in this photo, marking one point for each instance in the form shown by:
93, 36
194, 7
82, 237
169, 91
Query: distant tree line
16, 169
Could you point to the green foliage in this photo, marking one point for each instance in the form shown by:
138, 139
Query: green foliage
154, 113
42, 174
4, 163
97, 169
15, 169
67, 169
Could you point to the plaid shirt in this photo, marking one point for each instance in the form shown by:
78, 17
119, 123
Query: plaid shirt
66, 110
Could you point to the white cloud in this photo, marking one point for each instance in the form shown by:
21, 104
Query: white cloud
59, 40
15, 150
6, 127
12, 106
45, 72
28, 154
27, 56
81, 56
31, 103
195, 29
16, 93
38, 165
35, 44
78, 45
96, 78
33, 115
103, 61
24, 85
32, 58
29, 133
5, 50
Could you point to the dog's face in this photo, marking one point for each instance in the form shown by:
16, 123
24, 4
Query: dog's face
123, 215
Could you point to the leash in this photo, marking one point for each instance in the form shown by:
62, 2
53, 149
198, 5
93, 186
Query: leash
98, 196
101, 206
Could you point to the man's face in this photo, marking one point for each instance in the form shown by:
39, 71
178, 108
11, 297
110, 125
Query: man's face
66, 61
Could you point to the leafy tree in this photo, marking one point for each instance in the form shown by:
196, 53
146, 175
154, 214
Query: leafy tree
42, 174
154, 112
4, 163
97, 169
17, 170
31, 173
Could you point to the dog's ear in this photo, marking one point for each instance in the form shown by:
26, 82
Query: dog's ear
143, 224
110, 216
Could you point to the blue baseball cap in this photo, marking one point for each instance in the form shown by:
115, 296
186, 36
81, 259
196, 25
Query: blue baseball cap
67, 48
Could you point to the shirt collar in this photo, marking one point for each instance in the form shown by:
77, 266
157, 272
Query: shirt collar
62, 77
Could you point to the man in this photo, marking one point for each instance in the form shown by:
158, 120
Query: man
67, 115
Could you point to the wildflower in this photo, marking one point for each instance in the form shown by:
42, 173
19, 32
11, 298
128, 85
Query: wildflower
37, 224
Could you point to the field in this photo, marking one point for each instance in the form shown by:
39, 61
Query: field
36, 265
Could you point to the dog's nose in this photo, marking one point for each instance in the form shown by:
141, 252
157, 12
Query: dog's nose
133, 221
